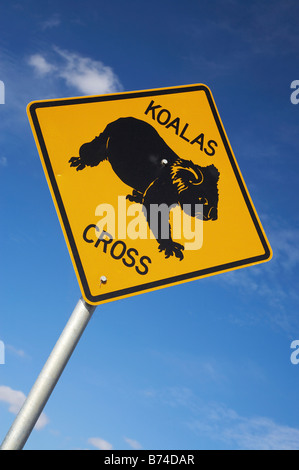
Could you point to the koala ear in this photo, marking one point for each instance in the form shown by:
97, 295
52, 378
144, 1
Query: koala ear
183, 177
197, 177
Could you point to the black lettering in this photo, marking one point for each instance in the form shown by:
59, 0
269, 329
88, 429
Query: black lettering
88, 240
102, 238
211, 147
112, 252
175, 124
168, 116
152, 109
142, 259
183, 132
198, 140
130, 250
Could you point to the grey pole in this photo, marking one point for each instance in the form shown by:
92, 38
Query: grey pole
28, 415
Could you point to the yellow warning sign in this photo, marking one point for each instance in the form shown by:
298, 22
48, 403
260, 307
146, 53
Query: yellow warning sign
147, 189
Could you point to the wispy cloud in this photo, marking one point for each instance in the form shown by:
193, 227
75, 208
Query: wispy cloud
3, 161
252, 28
15, 400
86, 75
52, 22
207, 369
274, 282
133, 443
15, 351
100, 443
224, 425
221, 423
285, 244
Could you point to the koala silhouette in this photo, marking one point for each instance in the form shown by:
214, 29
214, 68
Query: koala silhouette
157, 175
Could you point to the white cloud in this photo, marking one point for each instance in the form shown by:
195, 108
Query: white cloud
257, 433
86, 75
39, 63
100, 443
221, 424
15, 400
133, 443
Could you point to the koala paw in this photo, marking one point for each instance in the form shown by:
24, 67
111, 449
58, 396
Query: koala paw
77, 162
171, 248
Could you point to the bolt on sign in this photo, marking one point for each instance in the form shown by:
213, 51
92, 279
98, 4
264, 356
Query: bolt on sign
147, 189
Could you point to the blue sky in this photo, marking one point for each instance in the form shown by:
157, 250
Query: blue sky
202, 365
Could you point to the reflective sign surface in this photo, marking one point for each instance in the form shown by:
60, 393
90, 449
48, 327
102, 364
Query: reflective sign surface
147, 189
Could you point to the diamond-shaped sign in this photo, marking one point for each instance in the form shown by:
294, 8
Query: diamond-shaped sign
147, 189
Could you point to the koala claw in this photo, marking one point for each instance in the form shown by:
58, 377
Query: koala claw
77, 161
172, 248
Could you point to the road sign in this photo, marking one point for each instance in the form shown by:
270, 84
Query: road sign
147, 189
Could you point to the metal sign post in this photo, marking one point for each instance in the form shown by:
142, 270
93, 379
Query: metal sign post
48, 377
